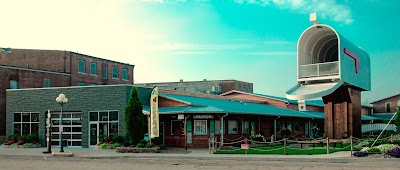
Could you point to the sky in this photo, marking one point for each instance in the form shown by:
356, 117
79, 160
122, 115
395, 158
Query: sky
168, 40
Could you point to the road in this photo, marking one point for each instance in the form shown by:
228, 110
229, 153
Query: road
24, 162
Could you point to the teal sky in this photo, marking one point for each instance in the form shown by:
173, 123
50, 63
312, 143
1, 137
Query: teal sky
168, 40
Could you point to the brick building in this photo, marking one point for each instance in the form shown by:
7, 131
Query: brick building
204, 87
386, 105
28, 68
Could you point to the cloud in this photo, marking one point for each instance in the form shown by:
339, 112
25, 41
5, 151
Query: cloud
326, 9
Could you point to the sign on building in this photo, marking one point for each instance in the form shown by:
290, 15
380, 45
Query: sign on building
154, 121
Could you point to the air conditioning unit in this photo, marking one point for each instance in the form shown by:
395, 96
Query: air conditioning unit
302, 105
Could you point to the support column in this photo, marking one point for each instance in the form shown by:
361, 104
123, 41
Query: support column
342, 113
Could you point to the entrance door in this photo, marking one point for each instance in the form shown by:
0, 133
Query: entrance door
161, 140
93, 133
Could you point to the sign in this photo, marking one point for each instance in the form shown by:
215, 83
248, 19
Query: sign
203, 117
244, 146
154, 123
181, 116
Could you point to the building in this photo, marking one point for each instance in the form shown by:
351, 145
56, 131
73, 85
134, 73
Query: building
95, 110
28, 68
215, 87
386, 105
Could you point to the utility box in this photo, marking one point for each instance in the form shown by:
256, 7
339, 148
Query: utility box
325, 61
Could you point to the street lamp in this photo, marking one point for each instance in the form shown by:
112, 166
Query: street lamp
61, 99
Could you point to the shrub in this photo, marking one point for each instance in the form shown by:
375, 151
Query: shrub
149, 145
395, 152
117, 139
374, 150
143, 141
397, 142
362, 144
258, 137
126, 143
140, 145
28, 144
20, 142
101, 137
10, 137
134, 118
117, 144
360, 154
386, 147
31, 138
104, 145
365, 149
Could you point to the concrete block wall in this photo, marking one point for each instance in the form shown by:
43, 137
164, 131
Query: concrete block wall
83, 99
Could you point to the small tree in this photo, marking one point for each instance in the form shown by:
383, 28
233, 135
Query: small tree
396, 121
134, 118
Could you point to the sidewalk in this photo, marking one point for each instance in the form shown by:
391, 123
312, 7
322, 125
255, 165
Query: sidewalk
94, 153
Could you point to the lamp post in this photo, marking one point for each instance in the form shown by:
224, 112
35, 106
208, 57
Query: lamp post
61, 99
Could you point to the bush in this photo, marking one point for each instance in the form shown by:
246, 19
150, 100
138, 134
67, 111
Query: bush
360, 154
386, 147
126, 143
395, 152
362, 144
140, 145
101, 137
104, 145
20, 142
365, 149
374, 150
150, 145
10, 137
31, 138
143, 141
258, 137
117, 139
117, 144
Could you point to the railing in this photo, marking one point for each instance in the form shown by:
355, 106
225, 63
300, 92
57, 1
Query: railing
319, 69
377, 127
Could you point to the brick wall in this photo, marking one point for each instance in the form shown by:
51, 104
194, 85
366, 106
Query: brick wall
83, 99
97, 79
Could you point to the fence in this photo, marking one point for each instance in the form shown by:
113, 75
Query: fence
377, 127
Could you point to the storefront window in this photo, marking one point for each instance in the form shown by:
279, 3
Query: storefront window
26, 123
200, 127
295, 127
278, 126
217, 127
232, 127
245, 127
177, 126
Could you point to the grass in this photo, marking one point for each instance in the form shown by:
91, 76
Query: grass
279, 150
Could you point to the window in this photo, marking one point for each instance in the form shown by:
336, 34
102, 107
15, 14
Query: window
388, 107
46, 82
81, 84
93, 69
217, 127
295, 127
177, 126
125, 74
102, 122
115, 72
200, 127
245, 127
232, 127
278, 126
13, 84
240, 85
26, 123
81, 66
105, 72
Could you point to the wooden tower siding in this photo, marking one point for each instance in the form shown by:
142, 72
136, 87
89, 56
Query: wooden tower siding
342, 111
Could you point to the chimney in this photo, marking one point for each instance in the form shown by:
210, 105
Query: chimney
204, 79
181, 80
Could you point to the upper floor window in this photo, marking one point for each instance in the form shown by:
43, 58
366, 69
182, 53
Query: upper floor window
13, 84
93, 69
388, 107
115, 72
46, 82
81, 66
240, 85
125, 74
105, 72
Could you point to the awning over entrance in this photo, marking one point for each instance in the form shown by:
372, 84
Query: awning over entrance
311, 91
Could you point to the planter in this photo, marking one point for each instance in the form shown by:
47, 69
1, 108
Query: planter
108, 147
137, 150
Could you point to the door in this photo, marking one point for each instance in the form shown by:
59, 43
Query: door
161, 138
93, 133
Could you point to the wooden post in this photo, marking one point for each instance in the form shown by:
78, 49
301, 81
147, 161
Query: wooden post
284, 146
351, 145
327, 145
209, 146
149, 127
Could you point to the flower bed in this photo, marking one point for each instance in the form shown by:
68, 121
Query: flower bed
26, 145
137, 150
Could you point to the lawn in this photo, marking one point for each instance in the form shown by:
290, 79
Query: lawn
279, 150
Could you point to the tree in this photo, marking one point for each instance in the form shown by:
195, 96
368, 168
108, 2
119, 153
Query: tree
134, 118
396, 121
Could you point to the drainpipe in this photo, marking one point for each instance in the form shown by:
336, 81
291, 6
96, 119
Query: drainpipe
275, 127
222, 129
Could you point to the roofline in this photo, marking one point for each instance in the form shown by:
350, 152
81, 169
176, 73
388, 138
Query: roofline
35, 70
196, 81
385, 98
68, 87
72, 52
180, 101
236, 91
